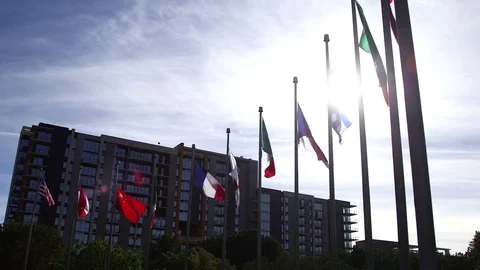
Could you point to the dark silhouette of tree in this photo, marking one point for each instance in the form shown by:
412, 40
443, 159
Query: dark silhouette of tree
46, 248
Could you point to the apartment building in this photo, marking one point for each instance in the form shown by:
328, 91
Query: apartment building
69, 159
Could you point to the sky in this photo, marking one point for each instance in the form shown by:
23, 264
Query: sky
184, 71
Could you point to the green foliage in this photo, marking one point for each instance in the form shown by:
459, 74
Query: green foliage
94, 255
243, 243
46, 246
198, 259
473, 251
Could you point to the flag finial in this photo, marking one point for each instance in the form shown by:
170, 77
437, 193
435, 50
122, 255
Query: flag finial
326, 38
295, 80
260, 109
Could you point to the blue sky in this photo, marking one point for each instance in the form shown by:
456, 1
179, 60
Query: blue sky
184, 71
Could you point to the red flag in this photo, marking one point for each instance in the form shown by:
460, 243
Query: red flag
83, 205
130, 208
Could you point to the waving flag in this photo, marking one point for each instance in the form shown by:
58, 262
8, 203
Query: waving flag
131, 208
306, 138
45, 192
234, 175
267, 148
206, 182
339, 123
83, 205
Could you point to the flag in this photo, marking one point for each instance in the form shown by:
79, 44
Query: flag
152, 220
236, 179
130, 208
206, 182
339, 123
45, 192
306, 138
267, 148
83, 205
368, 45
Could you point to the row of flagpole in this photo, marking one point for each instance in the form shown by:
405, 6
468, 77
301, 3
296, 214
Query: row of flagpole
419, 164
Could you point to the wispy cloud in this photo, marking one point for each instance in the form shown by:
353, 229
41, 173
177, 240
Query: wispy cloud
185, 71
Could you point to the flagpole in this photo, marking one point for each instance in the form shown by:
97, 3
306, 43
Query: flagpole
296, 204
192, 180
74, 224
25, 263
112, 212
259, 191
332, 216
152, 209
225, 207
416, 136
399, 178
363, 151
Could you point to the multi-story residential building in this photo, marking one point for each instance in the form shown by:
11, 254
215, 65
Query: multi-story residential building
69, 159
312, 222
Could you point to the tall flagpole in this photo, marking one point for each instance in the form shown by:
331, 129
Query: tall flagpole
74, 222
259, 191
225, 207
296, 204
192, 180
367, 214
152, 209
399, 178
427, 247
112, 212
25, 263
332, 232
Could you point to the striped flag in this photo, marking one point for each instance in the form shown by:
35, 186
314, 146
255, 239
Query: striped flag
45, 192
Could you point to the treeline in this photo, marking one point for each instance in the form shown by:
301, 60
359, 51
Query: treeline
48, 252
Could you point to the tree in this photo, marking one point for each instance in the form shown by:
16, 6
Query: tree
46, 247
93, 256
166, 243
198, 259
473, 251
241, 247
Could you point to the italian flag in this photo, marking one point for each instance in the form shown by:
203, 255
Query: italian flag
368, 45
267, 148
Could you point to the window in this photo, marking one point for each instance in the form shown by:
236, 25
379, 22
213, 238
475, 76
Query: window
42, 149
187, 163
91, 146
44, 136
38, 161
140, 155
121, 152
221, 168
89, 157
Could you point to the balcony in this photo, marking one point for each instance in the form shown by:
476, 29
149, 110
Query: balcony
348, 212
348, 220
350, 229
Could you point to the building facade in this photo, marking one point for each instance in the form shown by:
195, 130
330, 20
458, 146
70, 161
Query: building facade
70, 159
278, 214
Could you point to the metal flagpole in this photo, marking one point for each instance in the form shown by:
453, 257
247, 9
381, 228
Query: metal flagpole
363, 151
399, 178
416, 136
25, 263
74, 222
192, 180
332, 232
259, 191
225, 207
296, 204
152, 209
112, 212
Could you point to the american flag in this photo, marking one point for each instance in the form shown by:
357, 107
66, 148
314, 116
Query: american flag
45, 192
